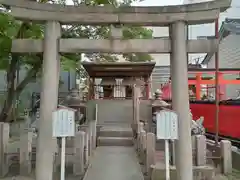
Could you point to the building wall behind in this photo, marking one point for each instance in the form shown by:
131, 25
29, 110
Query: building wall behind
161, 69
160, 76
208, 29
229, 57
161, 59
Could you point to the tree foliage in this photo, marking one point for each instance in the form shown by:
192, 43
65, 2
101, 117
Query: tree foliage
13, 29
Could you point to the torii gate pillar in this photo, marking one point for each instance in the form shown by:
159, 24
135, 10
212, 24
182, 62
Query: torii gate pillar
46, 145
180, 100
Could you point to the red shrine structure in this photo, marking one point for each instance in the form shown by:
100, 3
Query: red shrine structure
201, 85
115, 80
199, 77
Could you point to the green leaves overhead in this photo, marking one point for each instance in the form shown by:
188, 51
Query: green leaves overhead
12, 29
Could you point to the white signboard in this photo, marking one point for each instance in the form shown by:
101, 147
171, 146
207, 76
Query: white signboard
167, 128
167, 125
63, 122
63, 126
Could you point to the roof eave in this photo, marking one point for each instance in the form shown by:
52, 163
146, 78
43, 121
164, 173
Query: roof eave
209, 55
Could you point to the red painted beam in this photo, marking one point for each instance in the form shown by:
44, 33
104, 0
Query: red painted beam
213, 72
211, 82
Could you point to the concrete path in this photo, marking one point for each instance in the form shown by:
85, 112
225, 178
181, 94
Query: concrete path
114, 163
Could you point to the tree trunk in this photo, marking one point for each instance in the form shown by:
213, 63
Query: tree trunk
12, 93
11, 75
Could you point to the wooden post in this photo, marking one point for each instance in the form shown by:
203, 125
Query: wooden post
198, 86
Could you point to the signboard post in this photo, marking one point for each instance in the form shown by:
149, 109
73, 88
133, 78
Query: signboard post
63, 126
167, 129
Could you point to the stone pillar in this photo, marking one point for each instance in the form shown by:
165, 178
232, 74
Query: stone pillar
140, 143
86, 146
143, 147
201, 150
93, 126
180, 100
194, 150
150, 152
226, 154
25, 160
90, 144
78, 166
140, 127
4, 138
49, 101
86, 142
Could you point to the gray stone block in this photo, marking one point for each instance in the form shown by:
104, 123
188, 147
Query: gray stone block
199, 172
226, 153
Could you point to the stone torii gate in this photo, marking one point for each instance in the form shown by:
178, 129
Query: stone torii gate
176, 17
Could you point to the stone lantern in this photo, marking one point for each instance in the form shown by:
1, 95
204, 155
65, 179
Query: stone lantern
158, 102
74, 100
157, 105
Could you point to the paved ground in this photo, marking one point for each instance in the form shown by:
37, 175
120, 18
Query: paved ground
118, 163
235, 175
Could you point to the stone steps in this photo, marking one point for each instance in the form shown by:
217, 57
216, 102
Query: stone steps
114, 133
115, 141
115, 136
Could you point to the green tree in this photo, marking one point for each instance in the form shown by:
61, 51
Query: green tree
13, 29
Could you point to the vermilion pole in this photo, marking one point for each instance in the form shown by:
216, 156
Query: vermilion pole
198, 86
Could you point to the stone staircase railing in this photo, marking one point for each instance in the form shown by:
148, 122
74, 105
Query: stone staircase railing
18, 157
151, 156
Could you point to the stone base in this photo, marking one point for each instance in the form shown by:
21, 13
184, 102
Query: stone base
199, 172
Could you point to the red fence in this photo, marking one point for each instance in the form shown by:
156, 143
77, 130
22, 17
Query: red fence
229, 118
